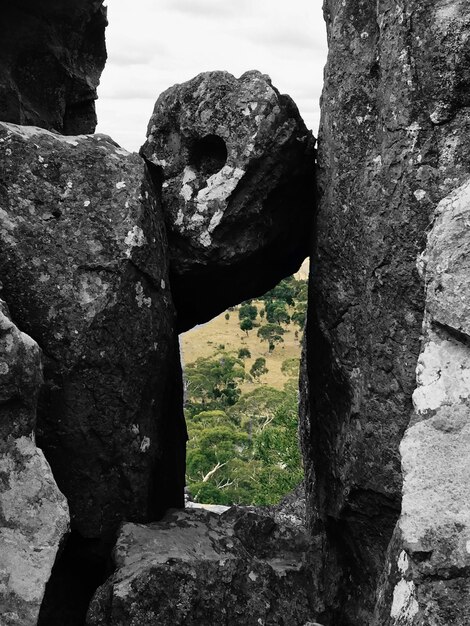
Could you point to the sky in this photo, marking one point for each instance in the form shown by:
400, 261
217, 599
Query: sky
154, 44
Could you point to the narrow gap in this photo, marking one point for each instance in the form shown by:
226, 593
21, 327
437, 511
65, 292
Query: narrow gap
80, 568
241, 374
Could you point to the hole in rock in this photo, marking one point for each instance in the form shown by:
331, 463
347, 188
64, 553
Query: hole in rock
241, 374
208, 155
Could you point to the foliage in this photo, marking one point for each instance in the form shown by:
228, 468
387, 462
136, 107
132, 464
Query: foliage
299, 315
246, 324
249, 311
259, 368
248, 454
213, 383
290, 367
272, 333
227, 316
244, 353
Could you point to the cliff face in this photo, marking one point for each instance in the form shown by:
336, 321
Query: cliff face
51, 57
393, 142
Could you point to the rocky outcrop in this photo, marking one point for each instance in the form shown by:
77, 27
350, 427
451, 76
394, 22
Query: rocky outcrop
33, 513
84, 270
197, 567
51, 57
238, 191
393, 142
430, 560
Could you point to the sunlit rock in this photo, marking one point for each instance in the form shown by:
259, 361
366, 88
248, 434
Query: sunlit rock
34, 516
238, 189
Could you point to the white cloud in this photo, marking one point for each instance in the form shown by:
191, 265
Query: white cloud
154, 45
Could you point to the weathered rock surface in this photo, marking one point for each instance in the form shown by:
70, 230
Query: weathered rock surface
34, 520
51, 57
430, 559
238, 196
197, 567
84, 270
393, 142
33, 513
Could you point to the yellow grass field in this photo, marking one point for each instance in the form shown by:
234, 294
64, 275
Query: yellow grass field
204, 340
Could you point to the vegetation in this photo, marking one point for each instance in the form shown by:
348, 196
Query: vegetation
243, 446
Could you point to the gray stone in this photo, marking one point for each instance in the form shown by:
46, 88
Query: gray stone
238, 190
84, 270
198, 567
427, 574
393, 142
51, 57
34, 515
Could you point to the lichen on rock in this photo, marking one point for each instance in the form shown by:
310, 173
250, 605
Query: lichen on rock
238, 191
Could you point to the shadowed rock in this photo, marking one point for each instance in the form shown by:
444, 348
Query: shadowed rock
52, 53
83, 265
238, 191
394, 141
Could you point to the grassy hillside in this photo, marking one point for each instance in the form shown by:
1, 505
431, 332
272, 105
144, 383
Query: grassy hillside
205, 340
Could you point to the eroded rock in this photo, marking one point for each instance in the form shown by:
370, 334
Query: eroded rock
34, 516
393, 142
430, 560
238, 191
51, 57
84, 269
197, 567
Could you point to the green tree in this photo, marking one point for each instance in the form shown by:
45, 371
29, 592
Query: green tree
276, 312
272, 333
259, 368
299, 315
227, 316
249, 311
213, 382
246, 325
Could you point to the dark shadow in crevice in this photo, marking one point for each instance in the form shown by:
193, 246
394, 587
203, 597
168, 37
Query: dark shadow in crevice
80, 568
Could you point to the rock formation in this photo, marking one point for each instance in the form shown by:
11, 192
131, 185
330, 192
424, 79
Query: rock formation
393, 143
84, 269
238, 195
430, 554
51, 57
197, 567
33, 513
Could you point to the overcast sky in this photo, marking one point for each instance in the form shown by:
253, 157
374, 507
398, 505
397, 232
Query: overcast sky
153, 44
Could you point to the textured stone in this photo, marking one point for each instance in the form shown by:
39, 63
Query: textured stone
393, 142
84, 270
430, 583
20, 379
33, 513
238, 191
197, 567
51, 57
34, 519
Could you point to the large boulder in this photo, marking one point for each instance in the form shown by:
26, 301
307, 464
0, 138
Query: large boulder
34, 515
84, 270
198, 567
394, 140
238, 190
427, 577
52, 54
